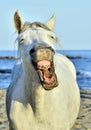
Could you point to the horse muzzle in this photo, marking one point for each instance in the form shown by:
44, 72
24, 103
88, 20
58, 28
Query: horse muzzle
42, 59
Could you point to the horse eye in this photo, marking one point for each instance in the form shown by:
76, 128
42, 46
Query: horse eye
52, 37
21, 40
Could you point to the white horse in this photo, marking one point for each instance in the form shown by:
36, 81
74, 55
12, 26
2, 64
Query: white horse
43, 94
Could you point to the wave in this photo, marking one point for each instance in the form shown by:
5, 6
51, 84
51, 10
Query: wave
84, 73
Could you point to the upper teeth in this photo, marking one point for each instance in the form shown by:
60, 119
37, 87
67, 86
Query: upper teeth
43, 66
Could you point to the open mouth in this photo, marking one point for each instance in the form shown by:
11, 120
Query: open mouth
46, 74
43, 63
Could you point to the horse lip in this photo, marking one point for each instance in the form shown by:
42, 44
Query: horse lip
50, 87
33, 52
41, 46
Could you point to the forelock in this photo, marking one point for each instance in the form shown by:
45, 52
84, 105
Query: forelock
33, 25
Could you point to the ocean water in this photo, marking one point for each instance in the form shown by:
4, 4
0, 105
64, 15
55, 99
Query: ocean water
80, 58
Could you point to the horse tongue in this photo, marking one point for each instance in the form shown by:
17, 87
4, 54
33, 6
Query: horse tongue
48, 77
47, 74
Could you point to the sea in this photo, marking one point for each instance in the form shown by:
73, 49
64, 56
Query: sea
80, 58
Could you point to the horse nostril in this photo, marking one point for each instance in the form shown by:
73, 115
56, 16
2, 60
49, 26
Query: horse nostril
31, 51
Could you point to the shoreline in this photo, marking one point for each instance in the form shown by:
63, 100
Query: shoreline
83, 121
17, 57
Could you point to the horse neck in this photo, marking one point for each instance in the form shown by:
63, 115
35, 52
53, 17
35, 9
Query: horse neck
30, 76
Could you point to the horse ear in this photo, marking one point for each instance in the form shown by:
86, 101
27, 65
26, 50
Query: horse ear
17, 22
51, 22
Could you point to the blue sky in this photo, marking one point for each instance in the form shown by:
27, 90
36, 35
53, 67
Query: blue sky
73, 21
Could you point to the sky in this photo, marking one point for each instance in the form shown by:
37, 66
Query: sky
72, 26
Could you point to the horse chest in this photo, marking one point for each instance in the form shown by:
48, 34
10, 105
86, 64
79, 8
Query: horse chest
47, 116
27, 121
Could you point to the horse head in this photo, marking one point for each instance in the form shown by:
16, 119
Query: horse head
36, 45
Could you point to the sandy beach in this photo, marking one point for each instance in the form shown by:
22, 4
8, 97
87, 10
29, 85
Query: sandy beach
83, 121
